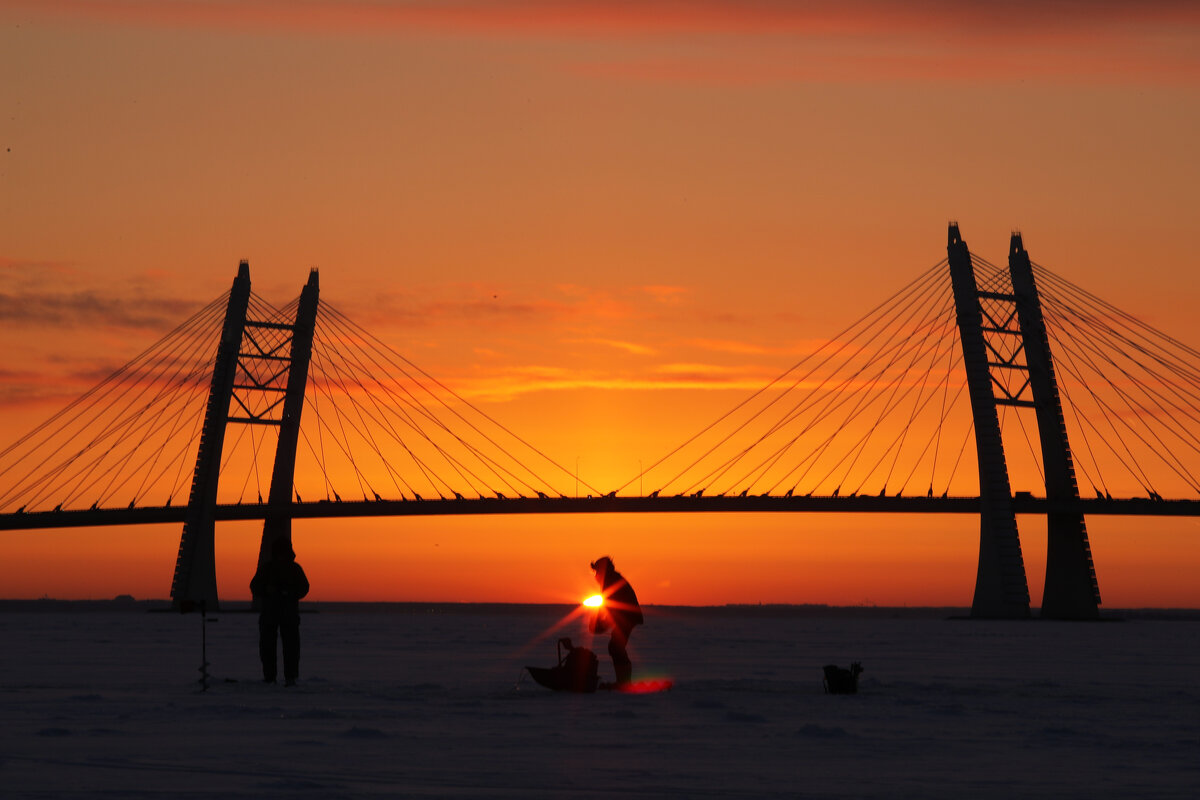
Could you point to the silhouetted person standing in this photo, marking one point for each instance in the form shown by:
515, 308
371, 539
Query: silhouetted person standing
278, 586
618, 615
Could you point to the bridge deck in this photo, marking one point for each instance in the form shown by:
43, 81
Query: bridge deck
1022, 504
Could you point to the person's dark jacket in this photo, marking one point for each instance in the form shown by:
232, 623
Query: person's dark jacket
278, 586
621, 607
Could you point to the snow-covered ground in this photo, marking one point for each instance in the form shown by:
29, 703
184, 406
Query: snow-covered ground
431, 701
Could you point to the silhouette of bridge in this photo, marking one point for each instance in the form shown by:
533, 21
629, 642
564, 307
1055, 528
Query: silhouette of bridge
876, 420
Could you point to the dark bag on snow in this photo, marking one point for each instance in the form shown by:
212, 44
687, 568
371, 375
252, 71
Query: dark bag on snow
842, 681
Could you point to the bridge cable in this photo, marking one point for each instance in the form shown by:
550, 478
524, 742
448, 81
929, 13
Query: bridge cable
1186, 401
943, 415
948, 323
334, 376
399, 360
1140, 412
836, 340
824, 355
872, 390
950, 362
796, 410
1153, 350
93, 398
898, 340
1058, 316
895, 344
135, 432
450, 460
918, 405
961, 450
313, 400
1129, 460
411, 402
84, 412
1095, 475
192, 387
112, 377
889, 404
1182, 371
835, 398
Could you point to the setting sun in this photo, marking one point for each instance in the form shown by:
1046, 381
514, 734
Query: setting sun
595, 601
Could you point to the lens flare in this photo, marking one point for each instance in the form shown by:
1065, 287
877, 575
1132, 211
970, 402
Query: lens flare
595, 601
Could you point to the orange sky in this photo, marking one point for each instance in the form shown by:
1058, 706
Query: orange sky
604, 222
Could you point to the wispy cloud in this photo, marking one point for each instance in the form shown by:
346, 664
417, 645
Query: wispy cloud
502, 308
603, 17
628, 347
89, 308
745, 348
58, 294
499, 388
26, 387
53, 383
29, 267
805, 40
669, 295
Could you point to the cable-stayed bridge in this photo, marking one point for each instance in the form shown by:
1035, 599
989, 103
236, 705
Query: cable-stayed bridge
249, 411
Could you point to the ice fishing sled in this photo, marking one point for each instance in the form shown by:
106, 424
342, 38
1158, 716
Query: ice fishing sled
578, 670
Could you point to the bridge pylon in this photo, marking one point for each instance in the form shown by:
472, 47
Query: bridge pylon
278, 522
195, 580
1001, 589
1071, 589
239, 376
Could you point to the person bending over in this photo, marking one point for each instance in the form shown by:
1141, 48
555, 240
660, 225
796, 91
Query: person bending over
618, 615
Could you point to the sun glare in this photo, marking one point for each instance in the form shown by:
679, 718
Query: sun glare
595, 601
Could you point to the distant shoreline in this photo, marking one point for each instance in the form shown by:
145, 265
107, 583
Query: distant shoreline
129, 604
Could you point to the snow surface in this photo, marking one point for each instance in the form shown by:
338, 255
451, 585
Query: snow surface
431, 701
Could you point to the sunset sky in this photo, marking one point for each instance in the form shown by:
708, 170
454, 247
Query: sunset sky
604, 222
